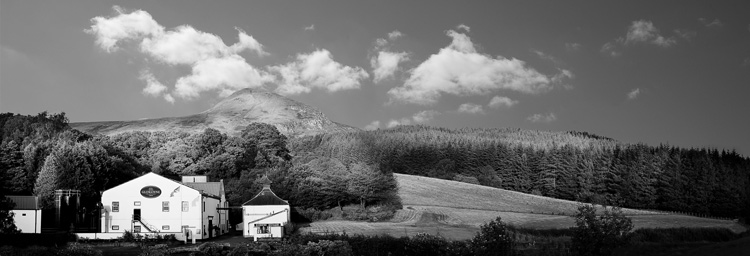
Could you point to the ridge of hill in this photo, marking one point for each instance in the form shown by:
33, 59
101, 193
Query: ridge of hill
230, 116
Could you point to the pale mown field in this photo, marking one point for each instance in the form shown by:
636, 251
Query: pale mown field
456, 210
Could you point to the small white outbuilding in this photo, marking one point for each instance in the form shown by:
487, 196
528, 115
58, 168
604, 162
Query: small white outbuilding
265, 215
27, 215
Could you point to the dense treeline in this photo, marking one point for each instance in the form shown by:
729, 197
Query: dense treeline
567, 165
39, 154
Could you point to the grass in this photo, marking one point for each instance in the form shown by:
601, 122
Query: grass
455, 210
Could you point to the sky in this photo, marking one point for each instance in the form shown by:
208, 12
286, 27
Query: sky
654, 72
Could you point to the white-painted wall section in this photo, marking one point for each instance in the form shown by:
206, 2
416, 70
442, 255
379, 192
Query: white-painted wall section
28, 221
165, 207
255, 217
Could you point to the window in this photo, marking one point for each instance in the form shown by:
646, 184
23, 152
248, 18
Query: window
165, 227
115, 206
136, 229
263, 229
184, 206
115, 227
204, 206
23, 214
165, 206
137, 203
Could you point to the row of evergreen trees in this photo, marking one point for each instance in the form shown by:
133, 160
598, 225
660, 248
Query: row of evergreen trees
567, 165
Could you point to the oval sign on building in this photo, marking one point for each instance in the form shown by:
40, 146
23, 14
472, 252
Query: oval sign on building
150, 191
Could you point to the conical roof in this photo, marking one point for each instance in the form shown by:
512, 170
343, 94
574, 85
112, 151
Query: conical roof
266, 196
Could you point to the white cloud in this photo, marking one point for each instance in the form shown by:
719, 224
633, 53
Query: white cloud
716, 23
373, 126
381, 42
317, 70
185, 45
394, 34
634, 93
227, 74
168, 97
393, 123
501, 101
685, 34
153, 86
134, 25
418, 118
573, 46
542, 118
385, 64
562, 76
215, 66
610, 49
464, 27
470, 108
459, 70
311, 27
424, 116
644, 31
545, 56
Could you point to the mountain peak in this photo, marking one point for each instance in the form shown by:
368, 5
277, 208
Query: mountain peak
231, 115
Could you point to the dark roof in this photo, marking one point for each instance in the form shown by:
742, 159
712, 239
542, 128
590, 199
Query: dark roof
266, 197
25, 202
210, 188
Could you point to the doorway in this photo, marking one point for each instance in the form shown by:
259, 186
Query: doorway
210, 228
137, 214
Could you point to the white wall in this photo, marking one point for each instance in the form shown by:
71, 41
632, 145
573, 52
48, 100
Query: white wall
253, 213
30, 223
151, 208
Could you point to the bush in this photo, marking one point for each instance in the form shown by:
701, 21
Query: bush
426, 244
493, 239
599, 235
156, 250
312, 214
213, 249
677, 235
127, 236
327, 247
79, 250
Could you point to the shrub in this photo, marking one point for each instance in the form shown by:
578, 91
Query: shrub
213, 249
493, 239
599, 235
127, 236
426, 244
79, 250
156, 250
676, 235
460, 248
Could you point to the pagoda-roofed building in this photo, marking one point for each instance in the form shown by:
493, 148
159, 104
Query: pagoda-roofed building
266, 215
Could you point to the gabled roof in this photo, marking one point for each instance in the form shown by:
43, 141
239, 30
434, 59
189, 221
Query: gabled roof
266, 197
25, 202
210, 188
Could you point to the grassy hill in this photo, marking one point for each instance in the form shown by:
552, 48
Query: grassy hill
455, 210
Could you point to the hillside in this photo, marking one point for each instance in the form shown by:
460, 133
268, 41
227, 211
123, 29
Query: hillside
567, 165
230, 116
455, 210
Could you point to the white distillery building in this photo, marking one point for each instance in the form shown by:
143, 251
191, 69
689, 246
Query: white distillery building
27, 215
154, 204
265, 215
